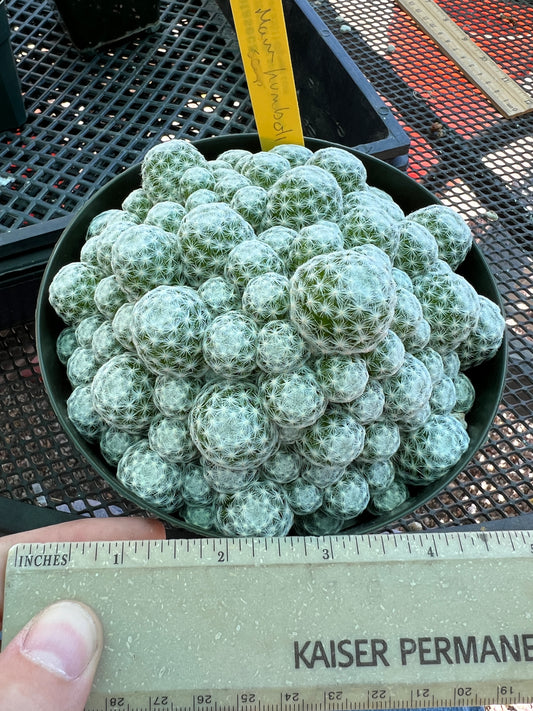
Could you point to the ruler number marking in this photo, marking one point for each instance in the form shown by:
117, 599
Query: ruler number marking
292, 697
422, 693
432, 551
223, 554
377, 694
326, 549
201, 700
332, 695
505, 690
462, 692
118, 558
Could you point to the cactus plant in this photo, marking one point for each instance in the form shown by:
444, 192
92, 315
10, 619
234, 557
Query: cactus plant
265, 342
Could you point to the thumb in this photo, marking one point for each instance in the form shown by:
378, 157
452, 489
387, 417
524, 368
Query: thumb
50, 664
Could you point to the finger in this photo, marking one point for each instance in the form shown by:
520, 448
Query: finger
86, 529
50, 664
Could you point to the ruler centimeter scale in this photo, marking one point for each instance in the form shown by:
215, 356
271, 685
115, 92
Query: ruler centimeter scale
504, 93
295, 623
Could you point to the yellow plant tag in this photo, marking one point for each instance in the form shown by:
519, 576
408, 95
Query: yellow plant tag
262, 36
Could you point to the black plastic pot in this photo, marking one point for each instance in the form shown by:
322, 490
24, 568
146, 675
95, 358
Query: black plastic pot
488, 378
92, 24
12, 111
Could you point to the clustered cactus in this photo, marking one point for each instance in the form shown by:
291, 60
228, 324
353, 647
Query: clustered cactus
265, 341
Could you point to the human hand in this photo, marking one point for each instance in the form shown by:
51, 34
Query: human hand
50, 664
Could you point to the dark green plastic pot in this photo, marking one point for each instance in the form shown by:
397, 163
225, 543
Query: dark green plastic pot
488, 378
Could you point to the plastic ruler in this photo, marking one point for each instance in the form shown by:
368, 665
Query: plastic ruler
296, 624
506, 95
264, 47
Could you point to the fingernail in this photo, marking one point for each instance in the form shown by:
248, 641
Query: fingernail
63, 639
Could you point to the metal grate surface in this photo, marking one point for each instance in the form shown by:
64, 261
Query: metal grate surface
476, 161
92, 117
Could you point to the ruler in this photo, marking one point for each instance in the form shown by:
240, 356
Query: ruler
264, 47
295, 624
503, 92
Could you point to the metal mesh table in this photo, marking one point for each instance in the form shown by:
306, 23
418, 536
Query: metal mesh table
89, 118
